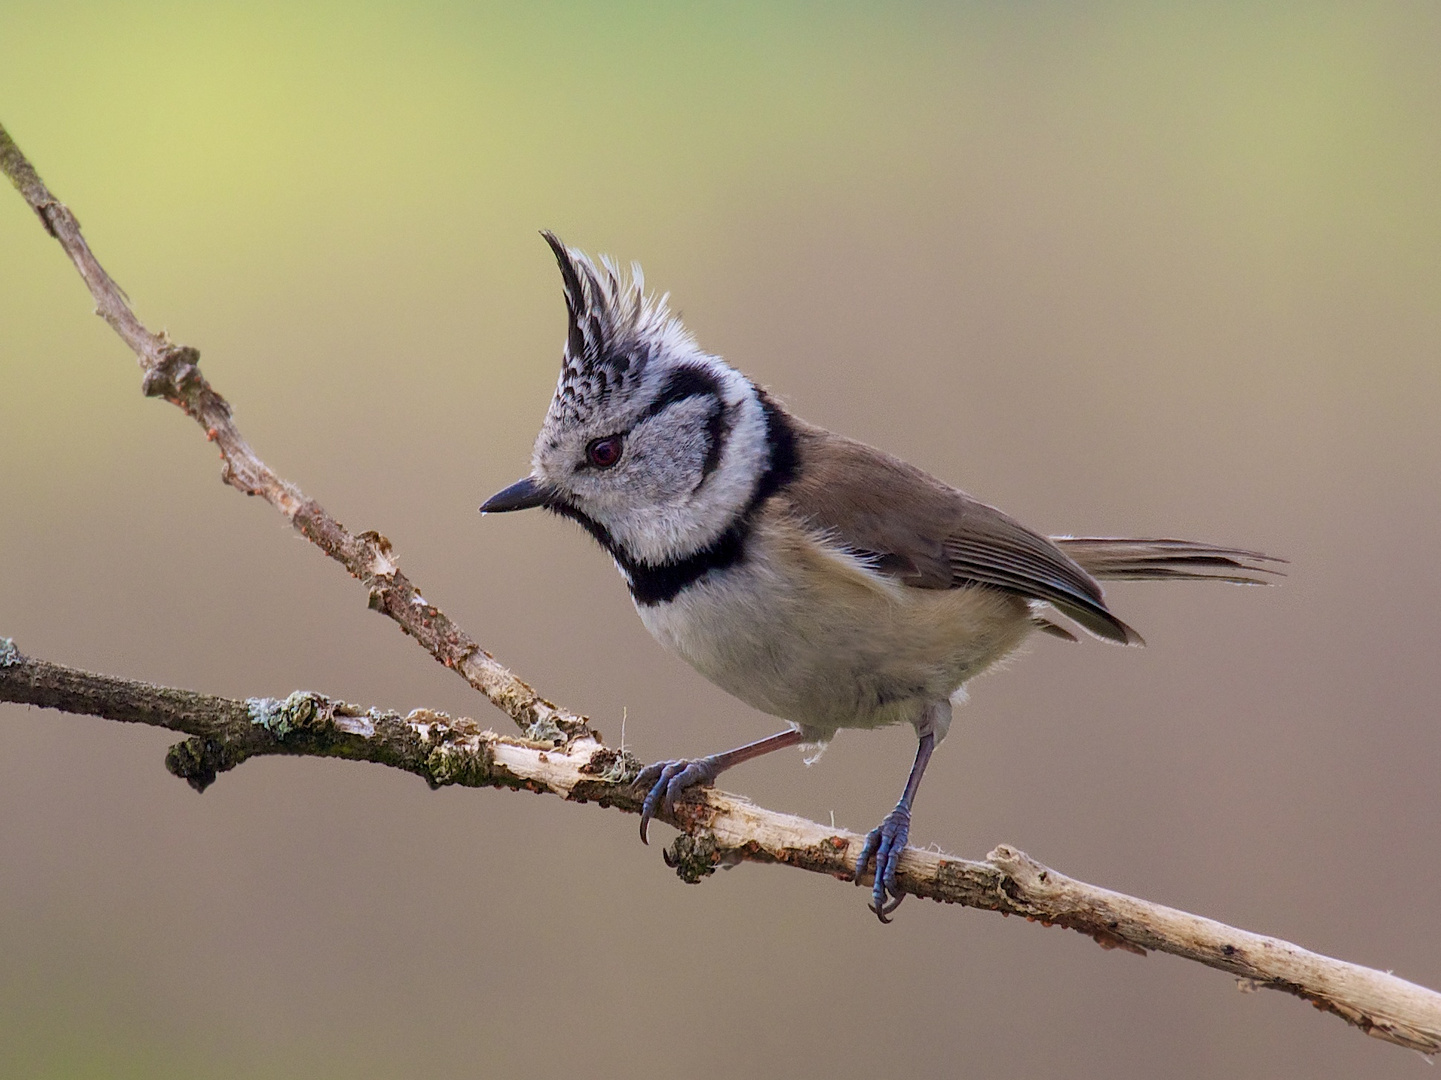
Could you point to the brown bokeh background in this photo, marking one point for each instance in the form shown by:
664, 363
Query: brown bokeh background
1141, 269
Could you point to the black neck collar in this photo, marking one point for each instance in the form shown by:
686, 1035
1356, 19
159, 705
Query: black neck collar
657, 584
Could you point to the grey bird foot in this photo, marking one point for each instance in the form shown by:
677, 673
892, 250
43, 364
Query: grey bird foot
667, 779
886, 842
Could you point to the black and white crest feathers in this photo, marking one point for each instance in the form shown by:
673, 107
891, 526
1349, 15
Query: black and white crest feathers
614, 330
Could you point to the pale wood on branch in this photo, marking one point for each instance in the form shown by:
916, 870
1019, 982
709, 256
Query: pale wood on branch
719, 829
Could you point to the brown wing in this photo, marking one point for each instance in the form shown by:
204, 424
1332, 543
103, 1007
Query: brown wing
931, 536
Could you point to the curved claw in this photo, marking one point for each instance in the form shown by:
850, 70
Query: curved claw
885, 842
667, 780
884, 913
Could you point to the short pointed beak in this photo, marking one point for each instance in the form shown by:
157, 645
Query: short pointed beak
521, 495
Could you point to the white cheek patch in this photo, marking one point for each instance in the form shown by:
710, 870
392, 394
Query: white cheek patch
667, 453
683, 513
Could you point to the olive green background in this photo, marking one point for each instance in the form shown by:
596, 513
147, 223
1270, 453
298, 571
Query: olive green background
1122, 268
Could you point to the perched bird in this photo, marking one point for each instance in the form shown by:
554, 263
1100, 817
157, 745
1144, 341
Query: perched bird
814, 577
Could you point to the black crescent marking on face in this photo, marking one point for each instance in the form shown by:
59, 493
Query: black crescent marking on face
651, 584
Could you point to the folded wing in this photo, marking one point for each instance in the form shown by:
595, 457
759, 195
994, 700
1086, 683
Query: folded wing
930, 535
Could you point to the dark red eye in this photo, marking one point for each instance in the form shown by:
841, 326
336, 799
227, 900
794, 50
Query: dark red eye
603, 453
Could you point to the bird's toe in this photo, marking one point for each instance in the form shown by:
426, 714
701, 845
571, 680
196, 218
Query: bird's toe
665, 781
885, 843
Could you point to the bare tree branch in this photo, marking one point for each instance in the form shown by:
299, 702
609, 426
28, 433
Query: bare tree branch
562, 755
719, 829
172, 372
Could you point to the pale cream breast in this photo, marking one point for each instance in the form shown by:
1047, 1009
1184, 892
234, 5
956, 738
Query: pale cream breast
804, 630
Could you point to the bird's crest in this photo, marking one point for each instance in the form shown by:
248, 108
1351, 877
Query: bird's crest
615, 329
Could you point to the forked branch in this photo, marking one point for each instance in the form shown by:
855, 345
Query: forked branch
560, 754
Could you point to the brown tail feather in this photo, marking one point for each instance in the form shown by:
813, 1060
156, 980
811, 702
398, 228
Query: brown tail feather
1117, 559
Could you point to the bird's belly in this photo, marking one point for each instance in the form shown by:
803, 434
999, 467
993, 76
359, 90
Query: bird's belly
827, 645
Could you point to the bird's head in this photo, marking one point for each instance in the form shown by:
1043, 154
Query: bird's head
652, 444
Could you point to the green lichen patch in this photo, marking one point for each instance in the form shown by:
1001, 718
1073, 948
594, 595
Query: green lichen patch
198, 761
693, 857
264, 711
546, 730
9, 654
299, 711
450, 764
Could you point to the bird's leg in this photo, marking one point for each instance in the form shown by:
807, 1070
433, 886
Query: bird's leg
888, 839
667, 779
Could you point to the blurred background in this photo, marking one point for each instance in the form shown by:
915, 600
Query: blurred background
1138, 269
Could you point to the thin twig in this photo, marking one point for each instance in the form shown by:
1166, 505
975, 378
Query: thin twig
172, 372
720, 829
563, 756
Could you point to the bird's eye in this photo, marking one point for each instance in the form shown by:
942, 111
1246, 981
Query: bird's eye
603, 453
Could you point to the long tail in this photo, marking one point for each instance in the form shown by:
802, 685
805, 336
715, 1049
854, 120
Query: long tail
1117, 559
